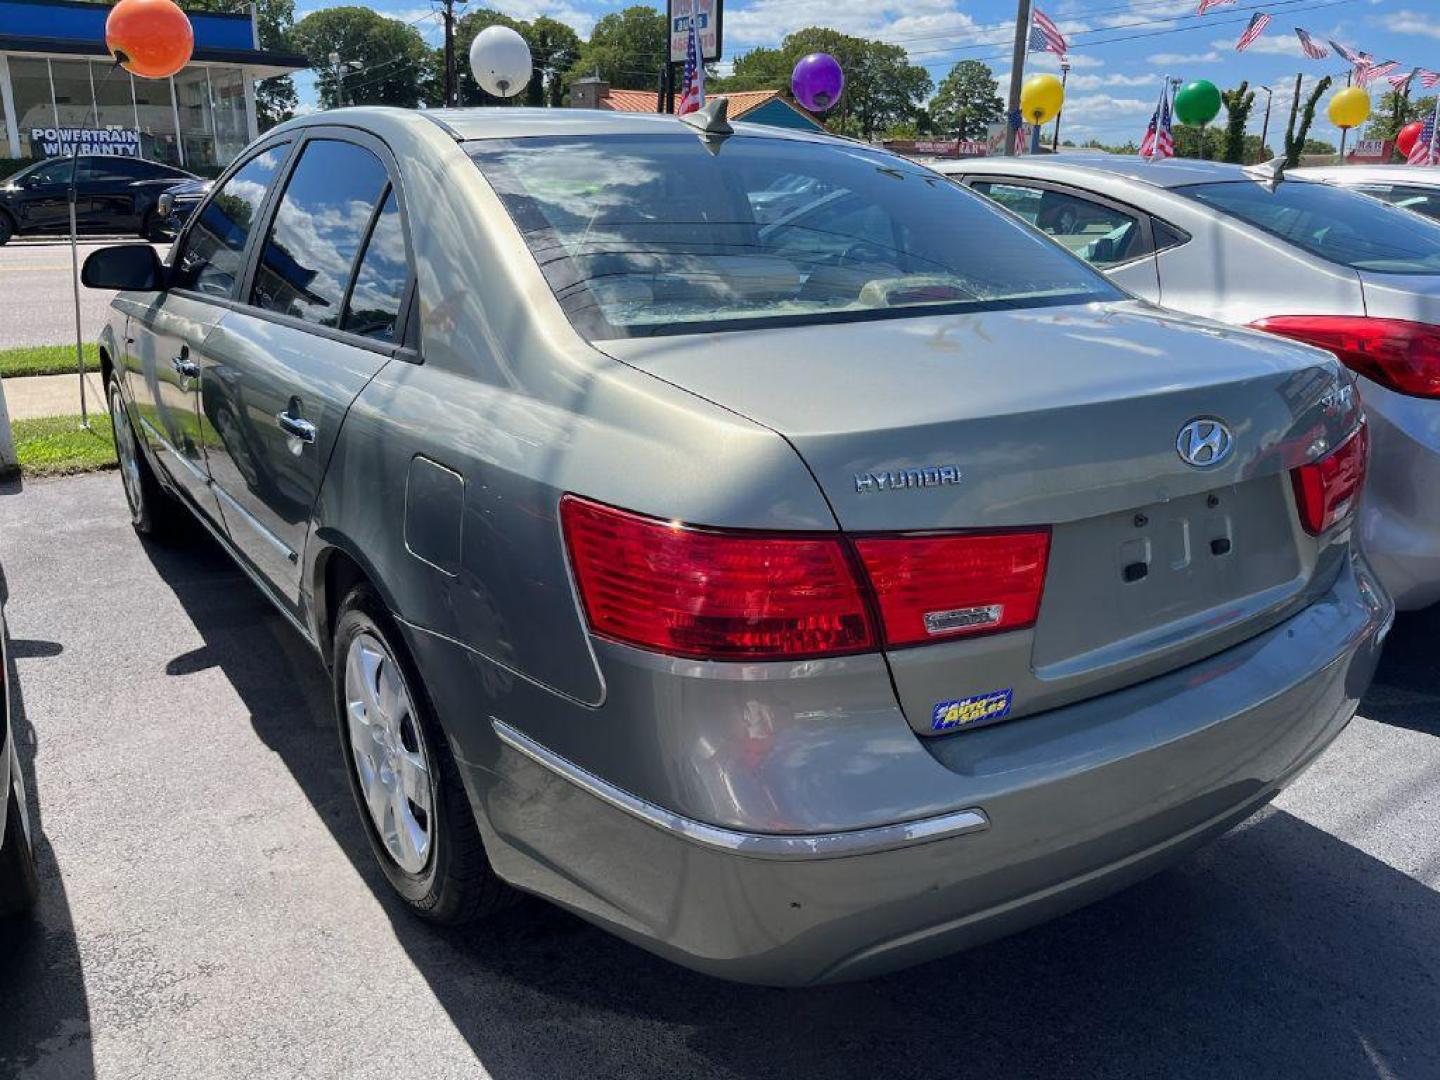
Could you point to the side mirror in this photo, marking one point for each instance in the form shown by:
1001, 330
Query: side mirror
125, 267
165, 205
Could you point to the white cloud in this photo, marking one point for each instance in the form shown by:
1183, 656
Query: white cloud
1406, 21
1095, 82
1211, 57
1268, 44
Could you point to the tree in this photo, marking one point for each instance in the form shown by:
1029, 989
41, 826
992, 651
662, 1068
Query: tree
1295, 137
1238, 103
555, 48
626, 48
1191, 138
967, 102
1394, 112
392, 57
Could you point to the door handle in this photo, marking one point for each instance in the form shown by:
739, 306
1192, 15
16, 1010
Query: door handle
297, 427
186, 367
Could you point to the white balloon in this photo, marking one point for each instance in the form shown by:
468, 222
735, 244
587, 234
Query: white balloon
500, 60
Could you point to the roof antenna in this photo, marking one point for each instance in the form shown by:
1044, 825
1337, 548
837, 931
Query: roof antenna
1269, 173
711, 120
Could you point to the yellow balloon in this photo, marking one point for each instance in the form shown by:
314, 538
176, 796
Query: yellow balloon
1040, 98
1349, 107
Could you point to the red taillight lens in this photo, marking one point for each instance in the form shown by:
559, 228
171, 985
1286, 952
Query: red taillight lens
720, 595
937, 587
1399, 355
1326, 490
714, 595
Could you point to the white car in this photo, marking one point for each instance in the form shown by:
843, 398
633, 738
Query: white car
1412, 187
1293, 257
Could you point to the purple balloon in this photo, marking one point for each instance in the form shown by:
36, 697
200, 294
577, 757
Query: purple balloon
817, 82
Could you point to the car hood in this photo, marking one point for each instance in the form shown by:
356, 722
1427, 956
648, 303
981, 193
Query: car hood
1044, 414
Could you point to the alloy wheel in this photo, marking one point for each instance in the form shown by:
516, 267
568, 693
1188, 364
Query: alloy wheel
127, 450
391, 763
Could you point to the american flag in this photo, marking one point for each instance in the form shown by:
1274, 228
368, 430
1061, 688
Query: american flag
692, 90
1425, 151
1045, 36
1364, 76
1397, 81
1350, 56
1206, 5
1428, 78
1313, 50
1258, 22
1158, 141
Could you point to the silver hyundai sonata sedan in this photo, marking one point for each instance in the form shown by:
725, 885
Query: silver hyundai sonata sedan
1294, 257
799, 594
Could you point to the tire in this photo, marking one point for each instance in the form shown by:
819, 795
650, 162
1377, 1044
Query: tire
450, 882
19, 882
153, 510
7, 228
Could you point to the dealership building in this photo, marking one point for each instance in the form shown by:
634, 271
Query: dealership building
56, 80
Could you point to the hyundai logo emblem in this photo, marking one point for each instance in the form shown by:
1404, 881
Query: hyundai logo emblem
1204, 442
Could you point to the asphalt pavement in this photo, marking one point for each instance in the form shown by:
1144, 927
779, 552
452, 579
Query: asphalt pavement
35, 284
210, 908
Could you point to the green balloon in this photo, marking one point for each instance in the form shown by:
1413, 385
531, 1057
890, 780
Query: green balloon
1197, 102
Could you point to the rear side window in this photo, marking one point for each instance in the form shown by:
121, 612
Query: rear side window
1330, 223
1101, 235
374, 304
318, 230
214, 250
1166, 236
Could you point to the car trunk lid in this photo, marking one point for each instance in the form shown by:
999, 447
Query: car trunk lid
1058, 418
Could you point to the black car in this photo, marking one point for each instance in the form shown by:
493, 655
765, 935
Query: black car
178, 203
113, 195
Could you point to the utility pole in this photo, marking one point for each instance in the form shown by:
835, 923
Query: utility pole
338, 68
448, 14
1265, 125
1017, 71
1064, 76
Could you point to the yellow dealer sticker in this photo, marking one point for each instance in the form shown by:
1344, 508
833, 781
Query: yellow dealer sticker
971, 711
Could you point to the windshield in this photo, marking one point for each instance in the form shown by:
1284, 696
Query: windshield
1332, 223
641, 235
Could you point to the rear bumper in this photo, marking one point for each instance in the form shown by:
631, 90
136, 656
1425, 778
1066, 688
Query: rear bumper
1050, 812
1400, 515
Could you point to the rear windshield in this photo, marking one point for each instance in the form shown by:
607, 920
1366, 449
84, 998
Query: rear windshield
642, 234
1332, 223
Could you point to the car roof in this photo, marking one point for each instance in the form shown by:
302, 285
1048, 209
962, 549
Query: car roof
1167, 173
505, 122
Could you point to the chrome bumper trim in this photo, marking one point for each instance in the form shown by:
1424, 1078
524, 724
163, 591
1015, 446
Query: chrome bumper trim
835, 845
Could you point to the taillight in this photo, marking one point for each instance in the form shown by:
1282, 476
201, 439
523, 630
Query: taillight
1326, 490
937, 587
735, 595
714, 595
1399, 355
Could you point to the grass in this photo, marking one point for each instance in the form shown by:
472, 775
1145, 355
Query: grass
59, 445
45, 360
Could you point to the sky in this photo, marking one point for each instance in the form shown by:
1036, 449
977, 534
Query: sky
1120, 50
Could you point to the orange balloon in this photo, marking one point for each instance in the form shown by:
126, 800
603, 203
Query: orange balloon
150, 38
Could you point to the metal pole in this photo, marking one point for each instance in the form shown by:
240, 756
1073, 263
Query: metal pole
1064, 76
1265, 126
1017, 70
1343, 131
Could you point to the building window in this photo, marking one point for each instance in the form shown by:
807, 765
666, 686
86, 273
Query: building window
232, 133
30, 81
73, 99
197, 117
155, 111
112, 95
